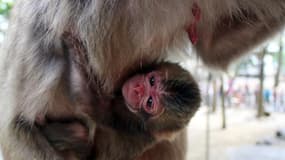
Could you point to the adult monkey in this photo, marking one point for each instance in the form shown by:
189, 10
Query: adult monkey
33, 61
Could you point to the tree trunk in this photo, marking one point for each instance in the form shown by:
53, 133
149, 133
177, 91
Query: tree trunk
280, 62
208, 96
260, 110
223, 104
214, 104
278, 71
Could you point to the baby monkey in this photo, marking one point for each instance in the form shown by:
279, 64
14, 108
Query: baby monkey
153, 104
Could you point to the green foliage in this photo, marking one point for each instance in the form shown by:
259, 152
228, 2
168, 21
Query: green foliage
5, 7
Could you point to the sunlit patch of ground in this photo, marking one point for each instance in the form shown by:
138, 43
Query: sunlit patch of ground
239, 140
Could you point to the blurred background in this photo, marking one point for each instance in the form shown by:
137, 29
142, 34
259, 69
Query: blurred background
242, 116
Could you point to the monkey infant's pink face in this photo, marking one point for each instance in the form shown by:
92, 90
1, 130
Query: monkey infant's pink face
142, 92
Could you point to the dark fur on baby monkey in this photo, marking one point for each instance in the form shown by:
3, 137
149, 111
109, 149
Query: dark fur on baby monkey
154, 103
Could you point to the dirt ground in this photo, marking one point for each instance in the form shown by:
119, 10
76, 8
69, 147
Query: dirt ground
246, 137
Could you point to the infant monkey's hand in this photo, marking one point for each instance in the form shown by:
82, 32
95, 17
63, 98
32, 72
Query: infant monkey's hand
68, 138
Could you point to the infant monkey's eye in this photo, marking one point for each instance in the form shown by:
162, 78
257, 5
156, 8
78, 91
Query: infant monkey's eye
151, 81
149, 102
